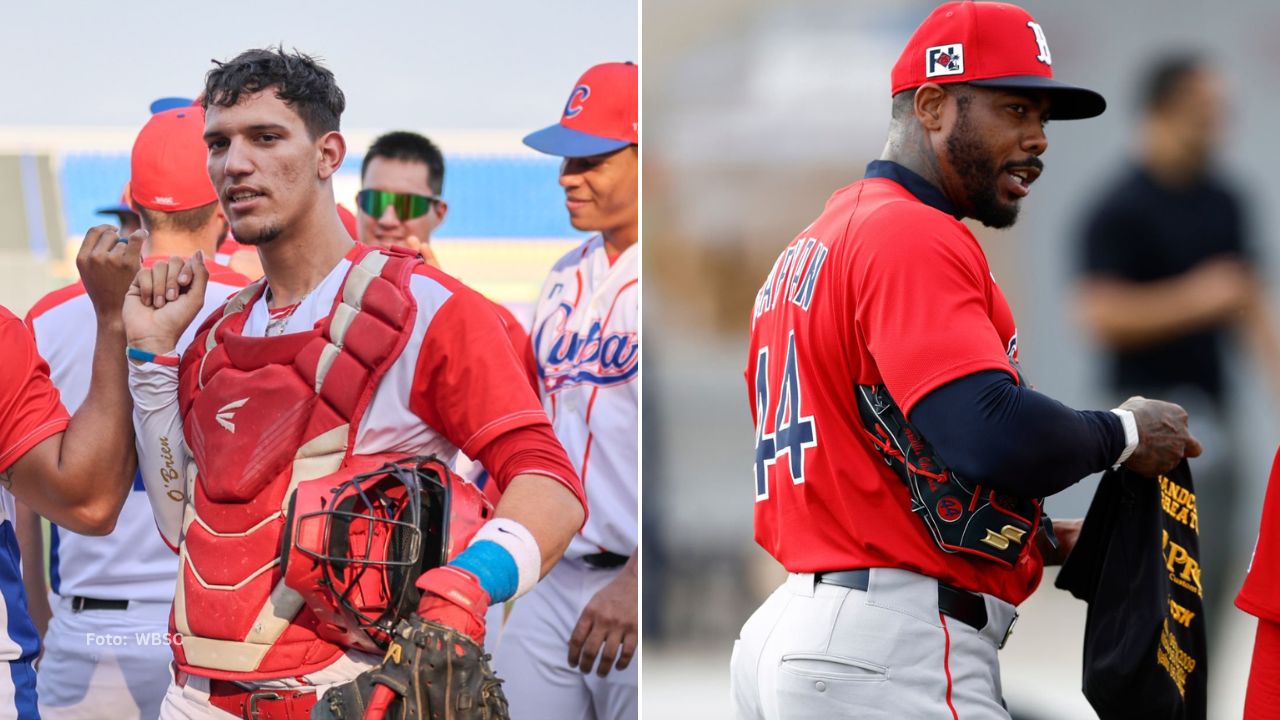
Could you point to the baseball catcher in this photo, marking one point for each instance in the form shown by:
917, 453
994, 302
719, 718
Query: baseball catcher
273, 449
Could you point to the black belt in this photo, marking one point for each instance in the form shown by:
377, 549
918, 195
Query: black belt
80, 604
969, 608
605, 560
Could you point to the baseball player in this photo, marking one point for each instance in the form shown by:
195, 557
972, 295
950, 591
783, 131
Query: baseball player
900, 456
586, 342
1260, 597
400, 205
74, 470
108, 639
126, 217
340, 359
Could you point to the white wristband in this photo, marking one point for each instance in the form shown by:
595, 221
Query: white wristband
517, 540
1130, 424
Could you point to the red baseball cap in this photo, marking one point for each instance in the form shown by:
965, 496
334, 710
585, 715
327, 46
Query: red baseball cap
601, 115
169, 162
989, 44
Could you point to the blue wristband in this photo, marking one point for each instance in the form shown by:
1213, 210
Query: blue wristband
493, 566
143, 356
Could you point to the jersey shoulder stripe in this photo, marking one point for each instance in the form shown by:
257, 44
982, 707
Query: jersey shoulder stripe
54, 299
578, 254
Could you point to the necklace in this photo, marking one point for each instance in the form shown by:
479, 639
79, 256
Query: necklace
278, 318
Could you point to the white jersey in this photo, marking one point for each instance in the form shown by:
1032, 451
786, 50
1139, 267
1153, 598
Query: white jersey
131, 563
586, 338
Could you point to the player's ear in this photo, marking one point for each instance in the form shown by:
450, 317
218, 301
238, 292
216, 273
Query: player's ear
929, 103
332, 149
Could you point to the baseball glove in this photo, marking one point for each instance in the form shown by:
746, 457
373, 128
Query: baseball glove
431, 671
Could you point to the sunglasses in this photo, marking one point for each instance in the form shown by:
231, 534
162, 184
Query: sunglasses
407, 205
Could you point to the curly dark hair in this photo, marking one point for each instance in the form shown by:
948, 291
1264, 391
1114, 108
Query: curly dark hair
306, 86
410, 146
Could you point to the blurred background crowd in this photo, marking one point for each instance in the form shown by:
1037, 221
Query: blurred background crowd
756, 112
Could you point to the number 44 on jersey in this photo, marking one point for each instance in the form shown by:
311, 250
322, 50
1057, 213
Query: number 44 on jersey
793, 431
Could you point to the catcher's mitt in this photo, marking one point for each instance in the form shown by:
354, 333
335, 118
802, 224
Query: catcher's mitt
431, 671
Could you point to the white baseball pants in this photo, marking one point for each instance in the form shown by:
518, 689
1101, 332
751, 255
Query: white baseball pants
817, 651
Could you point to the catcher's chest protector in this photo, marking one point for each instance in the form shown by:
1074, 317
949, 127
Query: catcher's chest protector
261, 415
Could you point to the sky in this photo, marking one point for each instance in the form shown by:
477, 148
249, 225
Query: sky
438, 64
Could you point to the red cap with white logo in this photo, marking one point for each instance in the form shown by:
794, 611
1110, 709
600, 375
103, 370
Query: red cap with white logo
601, 115
989, 44
169, 164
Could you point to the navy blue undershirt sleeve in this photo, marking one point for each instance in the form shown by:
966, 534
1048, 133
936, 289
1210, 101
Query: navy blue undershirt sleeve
990, 430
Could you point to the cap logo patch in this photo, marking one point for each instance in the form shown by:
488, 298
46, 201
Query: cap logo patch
159, 200
1044, 55
944, 60
576, 100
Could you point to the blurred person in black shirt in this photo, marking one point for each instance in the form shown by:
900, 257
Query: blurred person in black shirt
1169, 275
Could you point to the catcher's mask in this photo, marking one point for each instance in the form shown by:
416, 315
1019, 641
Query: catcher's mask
354, 547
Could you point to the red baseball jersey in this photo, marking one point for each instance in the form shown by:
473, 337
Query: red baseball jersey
30, 408
881, 289
1260, 595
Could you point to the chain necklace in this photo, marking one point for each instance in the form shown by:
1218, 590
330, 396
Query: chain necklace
278, 318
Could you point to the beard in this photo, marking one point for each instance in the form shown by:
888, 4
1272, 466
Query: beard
972, 161
263, 236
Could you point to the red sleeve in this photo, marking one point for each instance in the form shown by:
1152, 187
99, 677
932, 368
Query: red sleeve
1262, 699
924, 301
30, 410
519, 338
469, 383
532, 450
1260, 595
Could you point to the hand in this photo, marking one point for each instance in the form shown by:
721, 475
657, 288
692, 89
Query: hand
163, 301
1067, 532
423, 249
452, 596
609, 620
107, 264
1163, 436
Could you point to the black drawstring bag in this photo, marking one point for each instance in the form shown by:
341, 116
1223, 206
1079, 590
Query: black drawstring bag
1137, 565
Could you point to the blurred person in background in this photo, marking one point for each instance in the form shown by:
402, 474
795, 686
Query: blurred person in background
401, 180
121, 585
901, 458
126, 217
1169, 274
586, 341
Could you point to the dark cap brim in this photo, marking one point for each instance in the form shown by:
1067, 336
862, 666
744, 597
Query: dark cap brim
115, 210
1066, 102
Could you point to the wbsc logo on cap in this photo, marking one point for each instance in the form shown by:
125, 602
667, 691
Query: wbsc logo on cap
944, 60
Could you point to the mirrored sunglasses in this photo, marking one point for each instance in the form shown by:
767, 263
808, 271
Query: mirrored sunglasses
407, 205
